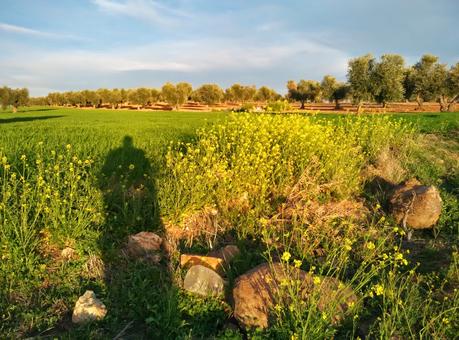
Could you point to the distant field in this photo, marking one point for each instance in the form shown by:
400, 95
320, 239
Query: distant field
95, 132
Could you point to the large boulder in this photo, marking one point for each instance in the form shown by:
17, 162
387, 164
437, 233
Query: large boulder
256, 291
88, 308
415, 205
204, 281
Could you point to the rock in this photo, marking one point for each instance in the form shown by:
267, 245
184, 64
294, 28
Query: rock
67, 253
415, 205
255, 293
88, 308
213, 263
143, 244
226, 253
204, 281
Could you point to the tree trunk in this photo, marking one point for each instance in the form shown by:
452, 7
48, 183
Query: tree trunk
419, 101
337, 105
15, 109
359, 107
452, 103
302, 105
443, 104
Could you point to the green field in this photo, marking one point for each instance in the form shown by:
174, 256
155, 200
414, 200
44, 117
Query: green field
95, 132
66, 174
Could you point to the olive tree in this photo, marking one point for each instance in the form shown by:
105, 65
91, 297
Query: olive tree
305, 90
183, 92
209, 94
15, 97
4, 97
155, 95
265, 94
333, 90
169, 93
425, 81
450, 90
359, 77
140, 97
387, 79
248, 93
235, 93
328, 85
341, 93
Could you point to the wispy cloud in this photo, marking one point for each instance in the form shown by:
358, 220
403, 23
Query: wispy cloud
222, 61
147, 10
36, 33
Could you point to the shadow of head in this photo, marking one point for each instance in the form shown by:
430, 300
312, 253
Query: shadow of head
128, 142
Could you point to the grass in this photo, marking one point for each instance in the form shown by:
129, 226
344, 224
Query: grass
86, 179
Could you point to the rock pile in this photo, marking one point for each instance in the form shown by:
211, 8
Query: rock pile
205, 275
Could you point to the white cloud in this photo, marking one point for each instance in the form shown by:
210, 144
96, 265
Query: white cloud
32, 32
212, 60
150, 11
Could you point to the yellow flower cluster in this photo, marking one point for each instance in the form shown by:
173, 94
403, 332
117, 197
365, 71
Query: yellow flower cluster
262, 154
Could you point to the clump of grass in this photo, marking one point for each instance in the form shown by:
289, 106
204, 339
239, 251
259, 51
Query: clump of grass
46, 202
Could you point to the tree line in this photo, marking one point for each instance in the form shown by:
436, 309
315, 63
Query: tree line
173, 94
368, 80
383, 81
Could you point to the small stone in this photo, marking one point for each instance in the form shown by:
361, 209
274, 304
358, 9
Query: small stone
210, 262
226, 253
204, 281
143, 243
88, 308
67, 253
415, 205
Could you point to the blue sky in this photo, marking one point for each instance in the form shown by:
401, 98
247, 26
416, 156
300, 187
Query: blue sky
57, 45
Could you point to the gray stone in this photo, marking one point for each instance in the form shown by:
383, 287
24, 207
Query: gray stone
204, 281
88, 308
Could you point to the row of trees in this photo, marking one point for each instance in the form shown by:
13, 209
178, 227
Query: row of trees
13, 97
384, 81
368, 80
174, 95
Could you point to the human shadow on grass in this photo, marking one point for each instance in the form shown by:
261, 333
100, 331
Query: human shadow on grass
135, 288
26, 119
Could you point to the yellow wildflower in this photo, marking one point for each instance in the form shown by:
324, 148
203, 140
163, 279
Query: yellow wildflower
370, 245
286, 256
